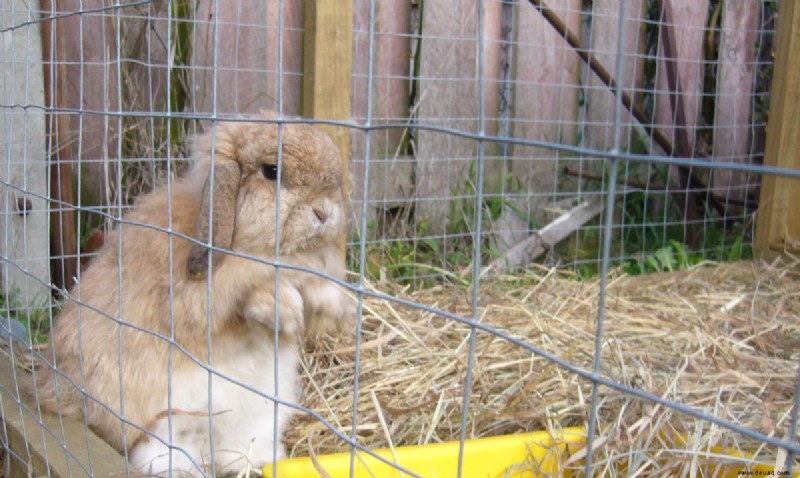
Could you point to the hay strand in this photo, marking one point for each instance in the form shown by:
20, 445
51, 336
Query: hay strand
724, 339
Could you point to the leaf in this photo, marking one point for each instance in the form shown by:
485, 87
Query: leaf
666, 258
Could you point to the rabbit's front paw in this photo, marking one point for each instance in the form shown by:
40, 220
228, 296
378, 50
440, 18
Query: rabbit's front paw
328, 308
260, 307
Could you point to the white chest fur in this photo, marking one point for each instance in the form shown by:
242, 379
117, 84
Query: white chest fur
239, 426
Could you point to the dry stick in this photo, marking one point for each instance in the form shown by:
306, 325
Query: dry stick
639, 184
647, 124
547, 237
632, 182
314, 460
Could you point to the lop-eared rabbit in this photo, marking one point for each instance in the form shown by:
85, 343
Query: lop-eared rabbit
163, 347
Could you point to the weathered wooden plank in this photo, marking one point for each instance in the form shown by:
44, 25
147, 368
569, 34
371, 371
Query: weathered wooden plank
545, 100
23, 161
390, 78
524, 252
246, 56
39, 442
90, 83
688, 24
734, 98
604, 44
778, 225
449, 97
290, 84
390, 70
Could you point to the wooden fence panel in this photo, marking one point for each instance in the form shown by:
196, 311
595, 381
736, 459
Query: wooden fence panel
689, 25
449, 97
391, 170
734, 97
247, 57
546, 77
545, 100
601, 101
23, 172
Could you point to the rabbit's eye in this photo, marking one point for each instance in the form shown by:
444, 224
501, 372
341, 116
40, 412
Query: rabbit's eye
270, 171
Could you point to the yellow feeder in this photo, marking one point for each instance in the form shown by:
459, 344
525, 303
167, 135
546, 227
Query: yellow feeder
527, 455
512, 456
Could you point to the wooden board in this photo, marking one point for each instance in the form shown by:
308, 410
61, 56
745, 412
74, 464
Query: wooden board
90, 82
25, 249
604, 43
390, 75
778, 225
545, 93
449, 97
689, 21
39, 442
734, 98
246, 56
390, 71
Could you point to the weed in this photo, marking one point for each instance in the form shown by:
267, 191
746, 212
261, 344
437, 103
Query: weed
498, 197
419, 262
34, 317
649, 232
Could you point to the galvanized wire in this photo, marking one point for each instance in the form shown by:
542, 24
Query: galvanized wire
616, 157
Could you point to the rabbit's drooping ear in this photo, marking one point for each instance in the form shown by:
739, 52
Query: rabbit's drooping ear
226, 175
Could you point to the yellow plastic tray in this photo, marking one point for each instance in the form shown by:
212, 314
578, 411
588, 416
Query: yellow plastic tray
492, 457
510, 456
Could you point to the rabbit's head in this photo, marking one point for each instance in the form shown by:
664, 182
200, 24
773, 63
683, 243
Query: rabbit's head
253, 197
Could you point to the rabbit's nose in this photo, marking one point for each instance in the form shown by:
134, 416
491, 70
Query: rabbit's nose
321, 215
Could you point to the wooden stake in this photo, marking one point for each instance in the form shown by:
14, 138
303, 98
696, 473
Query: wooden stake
327, 72
327, 66
778, 224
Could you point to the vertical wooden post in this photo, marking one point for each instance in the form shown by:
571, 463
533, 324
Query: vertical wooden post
449, 97
778, 226
327, 66
327, 72
63, 239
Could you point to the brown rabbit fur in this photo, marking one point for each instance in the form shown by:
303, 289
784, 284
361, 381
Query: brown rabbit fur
124, 298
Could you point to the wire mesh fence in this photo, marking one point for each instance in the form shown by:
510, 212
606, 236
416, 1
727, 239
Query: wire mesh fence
549, 225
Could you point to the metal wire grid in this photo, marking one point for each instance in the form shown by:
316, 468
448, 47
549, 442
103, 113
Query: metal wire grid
368, 126
536, 193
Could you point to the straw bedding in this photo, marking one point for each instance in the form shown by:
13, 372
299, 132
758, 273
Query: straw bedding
724, 339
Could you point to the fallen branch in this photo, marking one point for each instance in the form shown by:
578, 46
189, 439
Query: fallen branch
653, 186
573, 40
632, 182
544, 239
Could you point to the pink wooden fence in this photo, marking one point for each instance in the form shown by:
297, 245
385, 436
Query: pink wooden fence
535, 86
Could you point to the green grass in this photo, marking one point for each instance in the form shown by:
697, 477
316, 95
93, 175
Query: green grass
648, 237
678, 256
420, 262
35, 317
